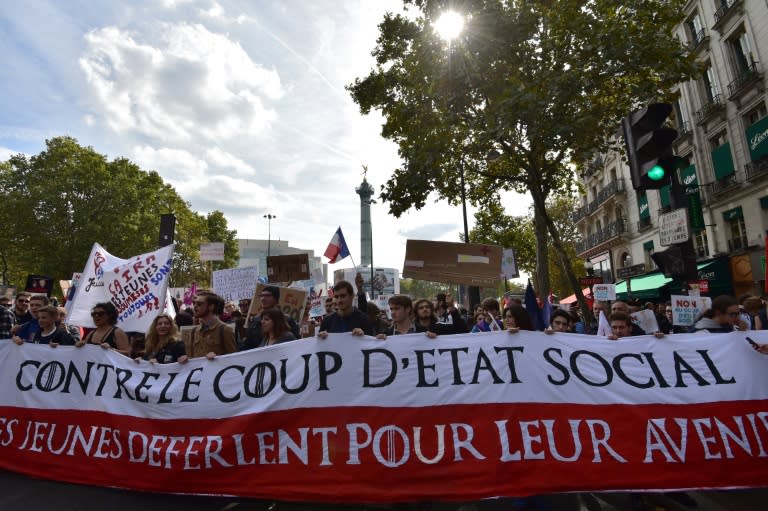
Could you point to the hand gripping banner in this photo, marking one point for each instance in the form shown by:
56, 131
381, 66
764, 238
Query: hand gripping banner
407, 419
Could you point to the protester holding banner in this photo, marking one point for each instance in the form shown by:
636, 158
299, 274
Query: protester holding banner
426, 320
516, 317
274, 328
722, 317
623, 307
107, 334
560, 321
50, 333
21, 308
491, 321
346, 318
269, 298
7, 322
28, 330
211, 336
401, 308
163, 344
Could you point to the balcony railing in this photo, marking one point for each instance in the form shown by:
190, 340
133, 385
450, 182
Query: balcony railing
610, 190
726, 8
714, 105
756, 168
609, 232
697, 38
726, 183
747, 76
684, 129
644, 223
737, 244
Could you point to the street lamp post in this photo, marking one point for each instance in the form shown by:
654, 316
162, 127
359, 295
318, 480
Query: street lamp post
269, 217
627, 263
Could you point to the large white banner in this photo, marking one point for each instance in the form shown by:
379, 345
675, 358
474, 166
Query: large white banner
512, 414
137, 287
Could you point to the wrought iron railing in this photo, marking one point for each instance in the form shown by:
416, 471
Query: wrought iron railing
747, 75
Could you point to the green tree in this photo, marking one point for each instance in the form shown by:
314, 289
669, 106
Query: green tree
495, 227
68, 196
539, 86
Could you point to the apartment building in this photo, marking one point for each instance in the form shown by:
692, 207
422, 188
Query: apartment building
723, 132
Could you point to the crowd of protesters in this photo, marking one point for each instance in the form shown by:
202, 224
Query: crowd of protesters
220, 327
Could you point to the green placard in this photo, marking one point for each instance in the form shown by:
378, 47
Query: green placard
723, 161
642, 206
695, 212
757, 139
733, 214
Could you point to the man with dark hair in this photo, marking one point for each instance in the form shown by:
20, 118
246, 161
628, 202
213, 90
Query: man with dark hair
724, 316
269, 297
28, 330
346, 318
560, 321
401, 308
21, 308
493, 317
211, 336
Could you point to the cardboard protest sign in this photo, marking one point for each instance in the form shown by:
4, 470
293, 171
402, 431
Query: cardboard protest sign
39, 284
646, 320
456, 263
604, 292
385, 280
287, 268
235, 283
292, 302
686, 309
137, 287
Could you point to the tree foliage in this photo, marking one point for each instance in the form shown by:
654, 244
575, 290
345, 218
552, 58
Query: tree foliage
540, 85
495, 227
62, 200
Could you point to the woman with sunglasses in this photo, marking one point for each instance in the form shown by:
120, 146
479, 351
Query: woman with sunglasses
107, 334
163, 344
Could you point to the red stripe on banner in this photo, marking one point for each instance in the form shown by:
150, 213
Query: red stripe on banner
367, 454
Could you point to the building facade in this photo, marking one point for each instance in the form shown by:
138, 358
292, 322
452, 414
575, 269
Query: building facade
723, 133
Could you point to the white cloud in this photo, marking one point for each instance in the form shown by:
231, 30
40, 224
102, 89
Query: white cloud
178, 84
175, 165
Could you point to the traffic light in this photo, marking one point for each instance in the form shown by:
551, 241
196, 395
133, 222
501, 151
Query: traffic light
649, 146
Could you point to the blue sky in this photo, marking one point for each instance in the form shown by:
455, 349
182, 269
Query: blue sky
240, 105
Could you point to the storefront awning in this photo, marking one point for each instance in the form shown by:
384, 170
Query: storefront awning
644, 287
572, 299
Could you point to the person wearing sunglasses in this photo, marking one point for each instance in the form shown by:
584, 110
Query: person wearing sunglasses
107, 334
722, 317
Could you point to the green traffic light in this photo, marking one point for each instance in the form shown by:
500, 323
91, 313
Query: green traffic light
657, 173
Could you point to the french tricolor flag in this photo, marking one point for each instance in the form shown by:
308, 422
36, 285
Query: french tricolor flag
337, 248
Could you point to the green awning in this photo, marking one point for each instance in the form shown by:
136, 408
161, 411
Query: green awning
764, 202
723, 161
689, 180
757, 139
655, 285
664, 196
644, 287
733, 214
647, 246
642, 206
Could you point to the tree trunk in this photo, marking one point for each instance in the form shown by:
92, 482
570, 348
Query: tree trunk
542, 246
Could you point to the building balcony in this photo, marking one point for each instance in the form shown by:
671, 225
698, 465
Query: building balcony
609, 232
580, 213
726, 10
724, 184
697, 41
715, 105
644, 224
683, 130
748, 77
756, 169
609, 191
736, 244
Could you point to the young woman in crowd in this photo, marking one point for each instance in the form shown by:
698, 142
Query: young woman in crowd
275, 328
107, 334
163, 344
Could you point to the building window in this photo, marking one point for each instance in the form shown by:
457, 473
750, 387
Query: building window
681, 114
735, 229
700, 243
755, 115
695, 29
741, 53
718, 140
648, 251
710, 86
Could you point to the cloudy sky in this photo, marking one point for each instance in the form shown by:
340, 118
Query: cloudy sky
240, 105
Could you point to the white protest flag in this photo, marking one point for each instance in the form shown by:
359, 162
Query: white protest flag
137, 287
603, 326
646, 320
